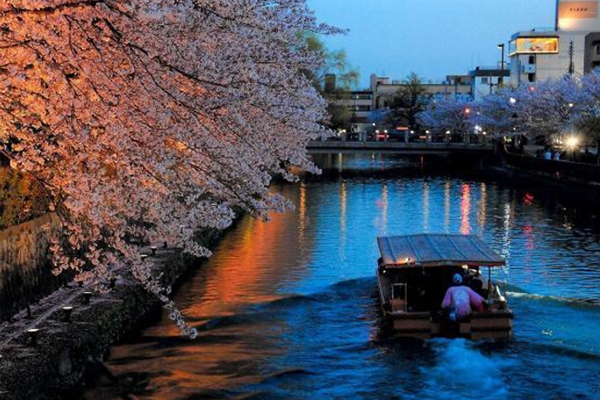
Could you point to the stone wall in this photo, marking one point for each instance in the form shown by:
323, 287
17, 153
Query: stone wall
55, 366
25, 270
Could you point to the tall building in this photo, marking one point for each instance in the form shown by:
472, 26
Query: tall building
571, 46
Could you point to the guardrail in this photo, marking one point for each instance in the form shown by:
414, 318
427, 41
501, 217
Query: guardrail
411, 147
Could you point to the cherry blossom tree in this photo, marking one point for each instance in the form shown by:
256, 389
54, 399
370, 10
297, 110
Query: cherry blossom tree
496, 113
549, 108
448, 115
588, 120
154, 118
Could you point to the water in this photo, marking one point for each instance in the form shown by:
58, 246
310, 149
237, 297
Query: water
288, 309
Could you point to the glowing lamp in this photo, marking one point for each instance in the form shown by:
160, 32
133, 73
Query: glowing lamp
66, 313
87, 296
572, 141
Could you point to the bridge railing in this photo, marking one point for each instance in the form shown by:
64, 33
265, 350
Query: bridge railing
412, 146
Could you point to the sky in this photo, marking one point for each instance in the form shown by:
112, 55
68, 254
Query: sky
433, 38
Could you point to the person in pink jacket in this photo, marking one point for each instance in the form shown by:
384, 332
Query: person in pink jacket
459, 300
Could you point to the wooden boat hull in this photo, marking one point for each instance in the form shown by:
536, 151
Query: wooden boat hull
493, 325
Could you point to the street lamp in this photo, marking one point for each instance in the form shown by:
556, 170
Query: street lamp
501, 78
572, 142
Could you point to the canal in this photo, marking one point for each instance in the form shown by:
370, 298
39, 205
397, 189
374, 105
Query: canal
288, 309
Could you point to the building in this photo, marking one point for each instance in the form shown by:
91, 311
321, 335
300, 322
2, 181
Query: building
384, 90
486, 80
369, 105
572, 46
360, 103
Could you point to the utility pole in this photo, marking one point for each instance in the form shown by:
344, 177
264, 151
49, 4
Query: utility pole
501, 78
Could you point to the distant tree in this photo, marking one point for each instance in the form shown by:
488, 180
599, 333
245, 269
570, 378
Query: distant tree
335, 63
447, 115
333, 79
548, 109
588, 120
409, 100
496, 113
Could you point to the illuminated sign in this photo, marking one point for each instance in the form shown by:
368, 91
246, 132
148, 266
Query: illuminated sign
578, 9
534, 45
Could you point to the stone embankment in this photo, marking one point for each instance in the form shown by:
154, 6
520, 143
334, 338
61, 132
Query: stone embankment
45, 355
572, 177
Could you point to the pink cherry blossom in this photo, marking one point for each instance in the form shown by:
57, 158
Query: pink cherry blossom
155, 118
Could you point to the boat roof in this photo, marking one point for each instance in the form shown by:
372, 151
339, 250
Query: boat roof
434, 250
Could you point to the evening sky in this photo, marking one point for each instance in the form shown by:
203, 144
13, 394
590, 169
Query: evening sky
433, 38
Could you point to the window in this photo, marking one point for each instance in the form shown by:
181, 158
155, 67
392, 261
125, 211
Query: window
485, 80
362, 96
531, 59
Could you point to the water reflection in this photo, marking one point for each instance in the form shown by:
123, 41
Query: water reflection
426, 206
447, 194
482, 214
287, 309
465, 209
302, 219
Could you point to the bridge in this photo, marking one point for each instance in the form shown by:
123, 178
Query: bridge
316, 147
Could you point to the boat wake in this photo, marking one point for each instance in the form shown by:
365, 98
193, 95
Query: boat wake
540, 297
462, 370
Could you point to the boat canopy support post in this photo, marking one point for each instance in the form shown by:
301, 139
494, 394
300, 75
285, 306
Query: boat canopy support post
489, 282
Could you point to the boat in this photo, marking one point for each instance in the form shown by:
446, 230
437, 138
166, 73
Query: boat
414, 272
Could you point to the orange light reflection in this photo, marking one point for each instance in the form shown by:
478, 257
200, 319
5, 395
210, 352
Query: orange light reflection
465, 210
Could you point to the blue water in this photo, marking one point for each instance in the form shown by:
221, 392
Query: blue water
288, 309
